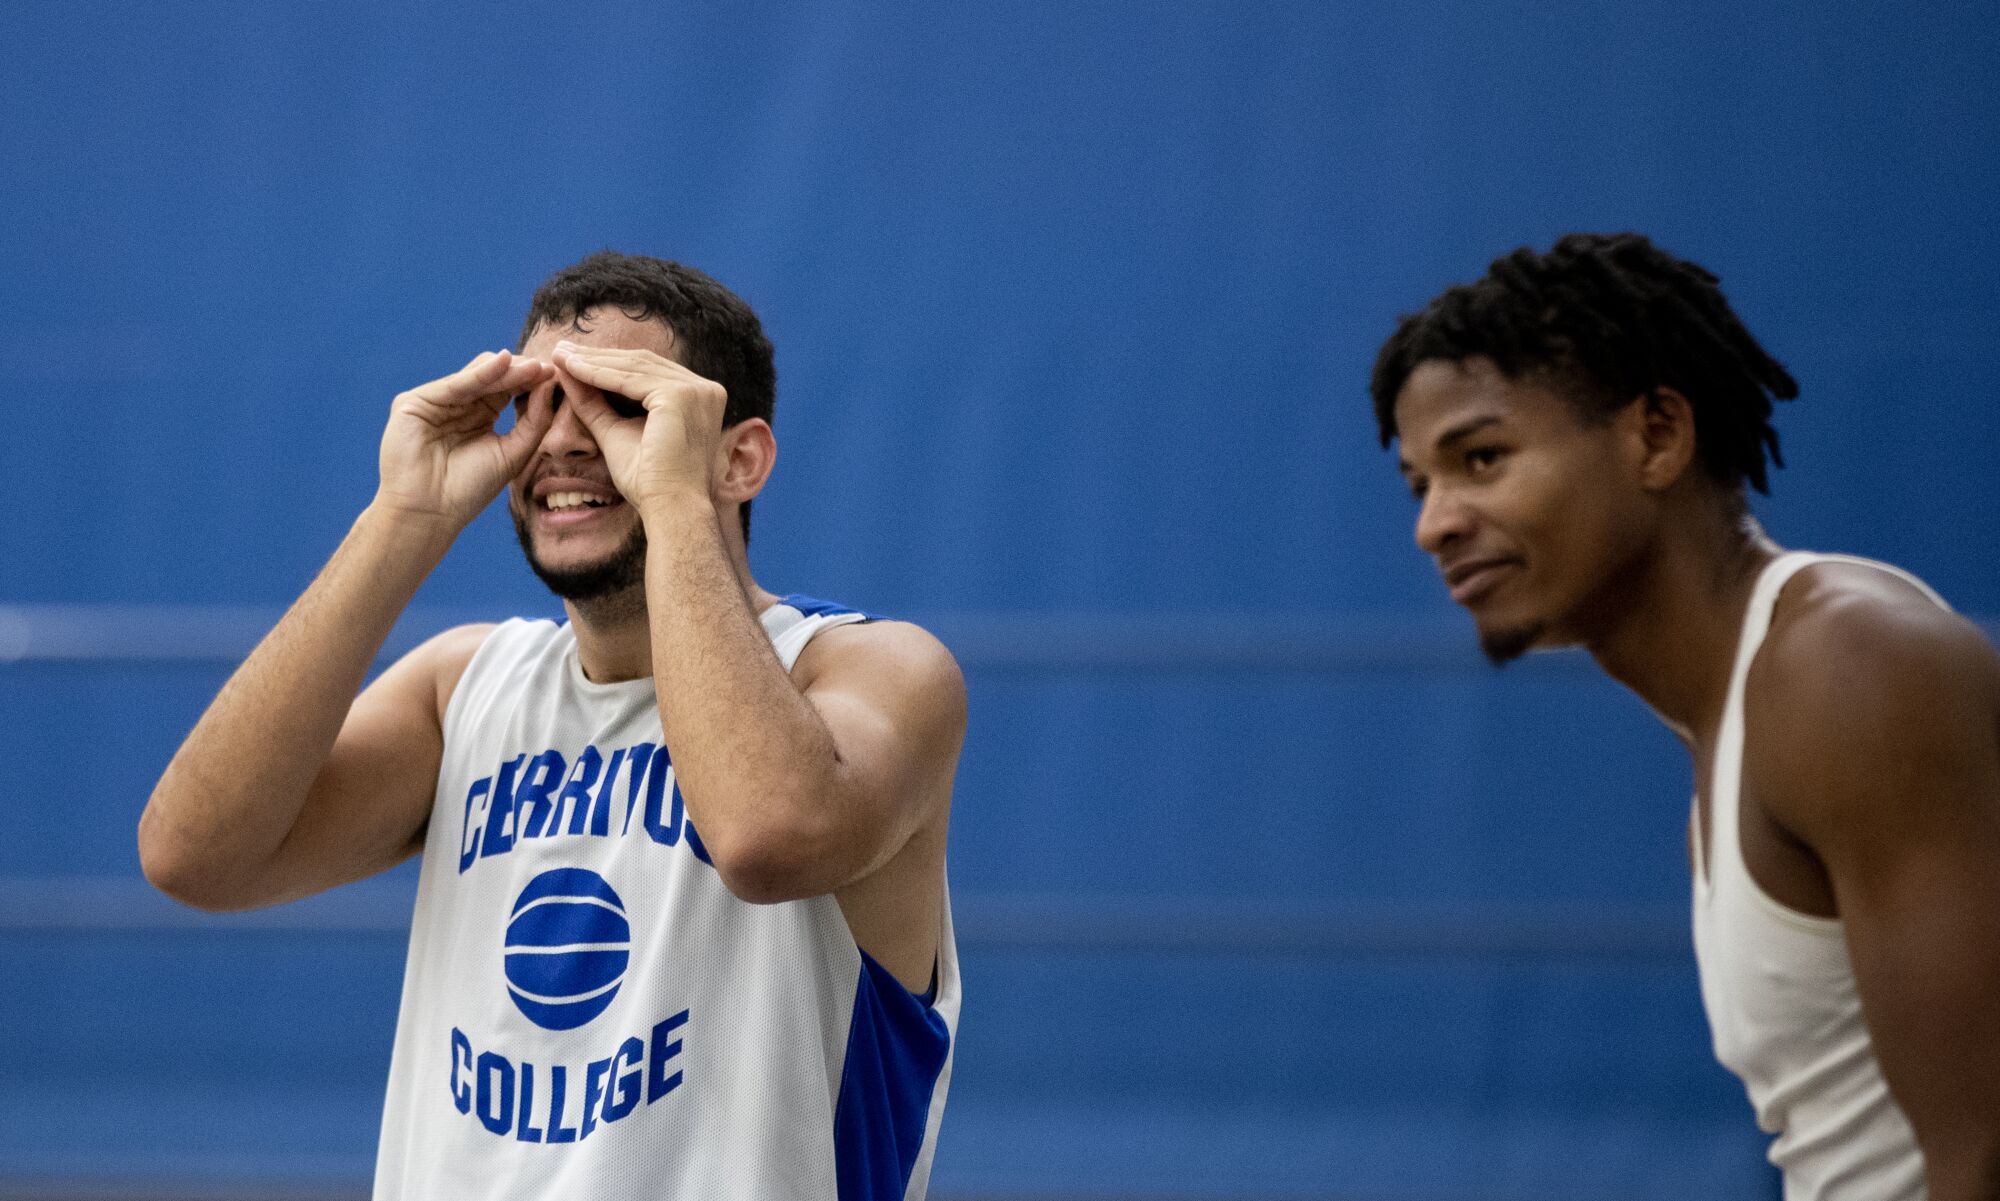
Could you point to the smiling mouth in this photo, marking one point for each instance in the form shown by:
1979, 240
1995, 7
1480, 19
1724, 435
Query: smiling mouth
566, 502
565, 509
1470, 584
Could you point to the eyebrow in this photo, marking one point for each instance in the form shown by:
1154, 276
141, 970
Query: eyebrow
1457, 433
1464, 430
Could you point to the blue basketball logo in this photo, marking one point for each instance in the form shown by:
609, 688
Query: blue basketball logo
568, 944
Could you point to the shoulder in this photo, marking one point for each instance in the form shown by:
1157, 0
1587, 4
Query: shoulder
1855, 639
1862, 681
438, 663
894, 656
457, 644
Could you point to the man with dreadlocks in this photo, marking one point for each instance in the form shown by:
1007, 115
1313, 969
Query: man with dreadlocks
1578, 428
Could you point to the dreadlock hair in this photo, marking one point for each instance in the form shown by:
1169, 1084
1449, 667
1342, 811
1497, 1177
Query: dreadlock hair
716, 334
1605, 318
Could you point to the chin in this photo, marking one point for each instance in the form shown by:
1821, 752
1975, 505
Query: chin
577, 575
1503, 644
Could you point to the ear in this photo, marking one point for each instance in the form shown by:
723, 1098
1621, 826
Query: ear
1660, 433
749, 450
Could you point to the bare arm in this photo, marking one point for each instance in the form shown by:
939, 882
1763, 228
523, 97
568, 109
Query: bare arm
1885, 760
288, 784
281, 790
800, 785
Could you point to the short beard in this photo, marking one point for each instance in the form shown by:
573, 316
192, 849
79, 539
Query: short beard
609, 586
1504, 646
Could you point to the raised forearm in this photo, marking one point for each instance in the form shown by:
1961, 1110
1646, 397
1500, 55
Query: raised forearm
235, 788
756, 764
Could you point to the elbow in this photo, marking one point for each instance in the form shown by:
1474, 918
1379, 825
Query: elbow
164, 868
169, 868
771, 864
175, 877
183, 881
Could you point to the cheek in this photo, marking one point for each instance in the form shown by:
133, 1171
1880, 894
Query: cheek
1602, 536
1566, 518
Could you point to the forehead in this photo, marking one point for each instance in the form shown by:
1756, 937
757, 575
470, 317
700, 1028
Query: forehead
604, 325
1443, 400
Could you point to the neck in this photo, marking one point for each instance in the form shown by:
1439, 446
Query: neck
1673, 637
614, 639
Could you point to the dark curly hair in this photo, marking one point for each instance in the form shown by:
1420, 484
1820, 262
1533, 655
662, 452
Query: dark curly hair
1605, 318
717, 335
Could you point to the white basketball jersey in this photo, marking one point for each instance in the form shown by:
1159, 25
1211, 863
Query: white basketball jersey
588, 1013
1779, 987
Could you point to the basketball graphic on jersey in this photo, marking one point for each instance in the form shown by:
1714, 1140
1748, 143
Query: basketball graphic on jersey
568, 944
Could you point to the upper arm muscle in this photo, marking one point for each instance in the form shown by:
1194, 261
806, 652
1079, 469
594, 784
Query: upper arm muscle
1879, 746
369, 804
894, 703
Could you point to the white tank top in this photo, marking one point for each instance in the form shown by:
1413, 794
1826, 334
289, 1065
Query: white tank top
1779, 988
588, 1013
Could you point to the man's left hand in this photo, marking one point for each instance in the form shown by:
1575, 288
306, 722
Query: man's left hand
675, 446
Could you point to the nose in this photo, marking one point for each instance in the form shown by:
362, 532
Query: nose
568, 437
1443, 520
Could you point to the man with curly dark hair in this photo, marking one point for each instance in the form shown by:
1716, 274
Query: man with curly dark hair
682, 928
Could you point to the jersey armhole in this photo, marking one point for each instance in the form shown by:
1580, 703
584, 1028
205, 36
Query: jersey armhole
461, 687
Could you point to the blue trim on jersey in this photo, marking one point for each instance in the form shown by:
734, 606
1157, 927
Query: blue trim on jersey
812, 606
896, 1047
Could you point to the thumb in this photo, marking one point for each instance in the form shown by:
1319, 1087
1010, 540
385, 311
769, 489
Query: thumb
530, 427
592, 409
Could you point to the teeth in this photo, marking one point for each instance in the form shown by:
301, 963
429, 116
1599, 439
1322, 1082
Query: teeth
556, 502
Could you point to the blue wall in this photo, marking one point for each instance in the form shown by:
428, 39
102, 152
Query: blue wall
1267, 886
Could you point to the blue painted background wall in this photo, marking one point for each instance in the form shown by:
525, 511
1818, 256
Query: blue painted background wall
1267, 886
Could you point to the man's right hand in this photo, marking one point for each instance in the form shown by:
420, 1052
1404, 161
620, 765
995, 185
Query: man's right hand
291, 782
441, 458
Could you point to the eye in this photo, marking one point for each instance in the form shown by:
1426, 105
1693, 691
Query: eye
624, 406
1418, 486
1483, 458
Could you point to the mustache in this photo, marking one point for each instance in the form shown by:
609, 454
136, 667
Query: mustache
528, 483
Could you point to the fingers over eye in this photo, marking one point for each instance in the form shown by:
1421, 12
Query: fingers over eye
488, 373
617, 357
594, 410
608, 379
523, 373
535, 409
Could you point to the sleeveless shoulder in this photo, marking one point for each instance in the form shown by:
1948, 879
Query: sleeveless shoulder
796, 619
1778, 985
504, 659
